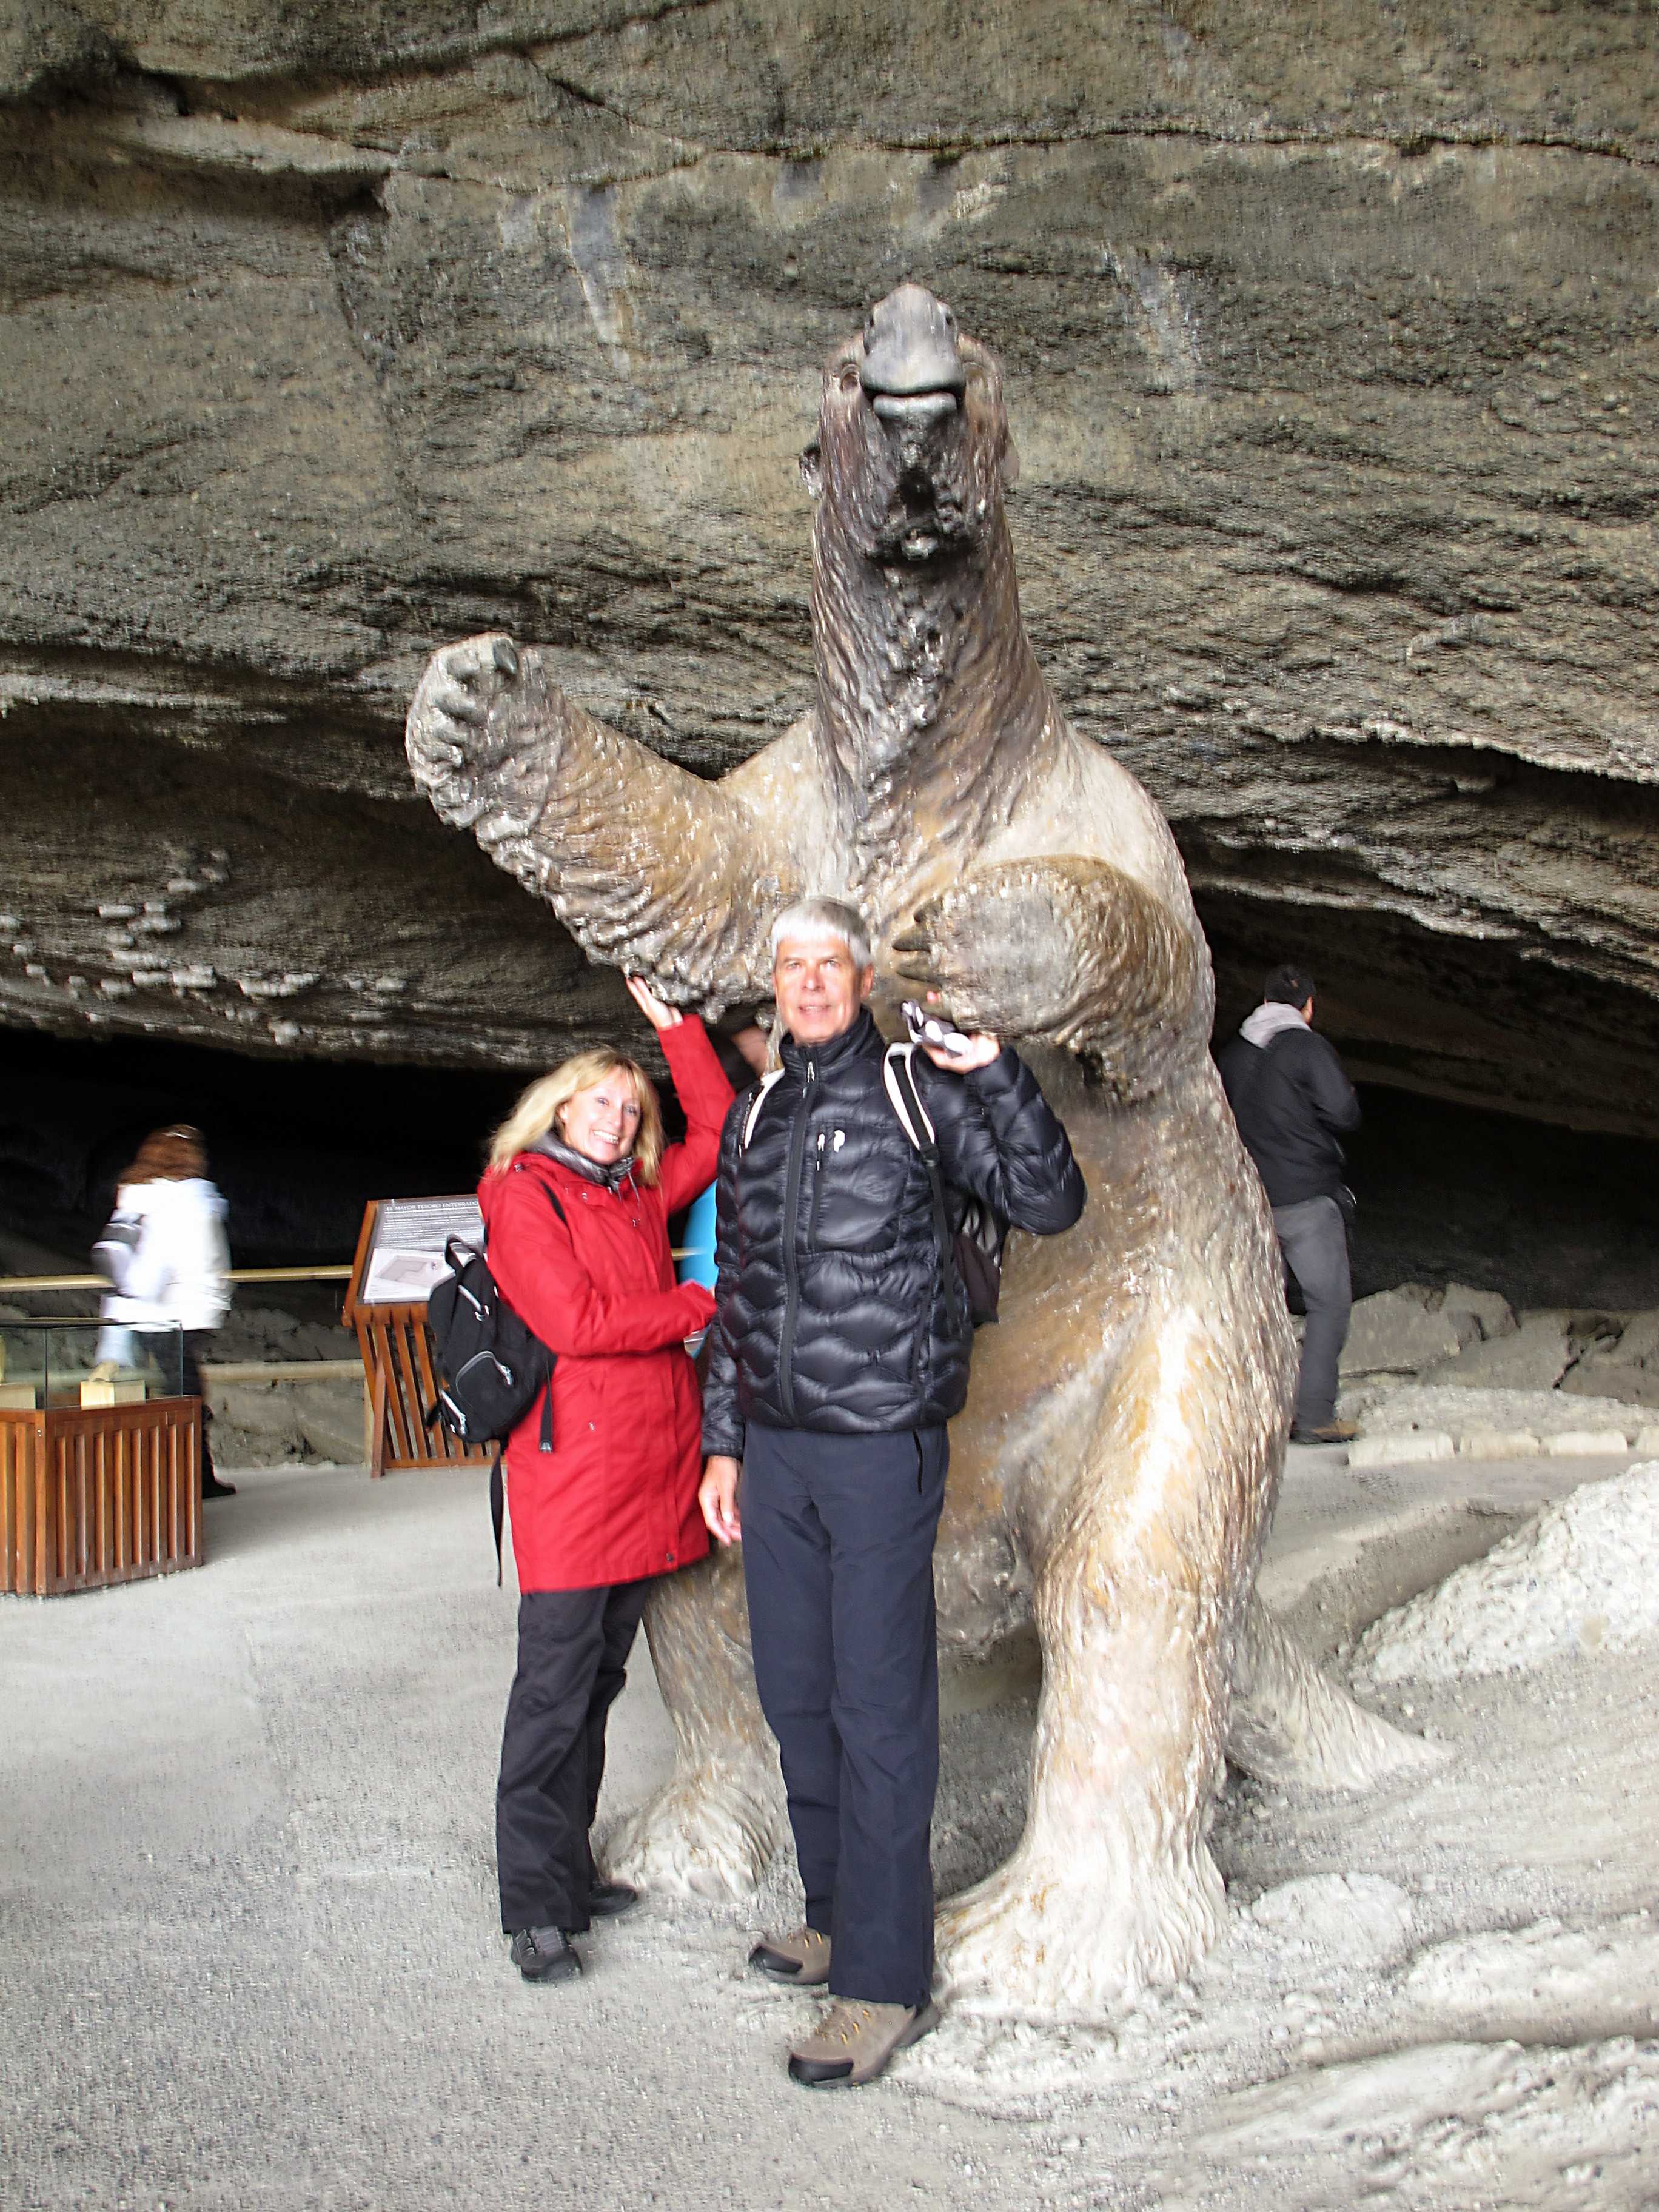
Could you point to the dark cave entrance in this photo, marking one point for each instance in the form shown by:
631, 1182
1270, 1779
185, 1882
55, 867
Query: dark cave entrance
297, 1147
1446, 1193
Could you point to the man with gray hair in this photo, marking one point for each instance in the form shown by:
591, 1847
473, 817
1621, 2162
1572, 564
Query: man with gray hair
840, 1351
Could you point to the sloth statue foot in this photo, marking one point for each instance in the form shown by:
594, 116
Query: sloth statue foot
1079, 1940
709, 1834
1291, 1724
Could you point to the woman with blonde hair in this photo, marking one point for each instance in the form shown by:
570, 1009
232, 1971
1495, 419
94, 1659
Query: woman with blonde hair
168, 1261
602, 1471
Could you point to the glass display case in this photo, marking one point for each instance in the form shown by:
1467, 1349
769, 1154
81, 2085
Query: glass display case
51, 1364
100, 1458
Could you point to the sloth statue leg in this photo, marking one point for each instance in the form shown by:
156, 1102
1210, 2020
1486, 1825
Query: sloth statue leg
1138, 1596
711, 1830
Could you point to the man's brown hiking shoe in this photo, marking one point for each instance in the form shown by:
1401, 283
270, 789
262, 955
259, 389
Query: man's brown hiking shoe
1328, 1432
854, 2042
802, 1957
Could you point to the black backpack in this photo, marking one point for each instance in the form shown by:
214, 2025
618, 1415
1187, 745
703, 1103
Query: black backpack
491, 1367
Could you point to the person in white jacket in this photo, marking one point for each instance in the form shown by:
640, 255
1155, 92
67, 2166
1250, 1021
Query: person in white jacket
168, 1260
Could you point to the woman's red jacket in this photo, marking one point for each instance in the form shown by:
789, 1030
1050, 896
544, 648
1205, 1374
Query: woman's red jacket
616, 1496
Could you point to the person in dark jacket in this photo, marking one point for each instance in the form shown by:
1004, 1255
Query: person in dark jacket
1292, 1100
840, 1351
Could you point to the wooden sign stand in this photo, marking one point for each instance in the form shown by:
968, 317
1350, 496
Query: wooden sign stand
400, 1381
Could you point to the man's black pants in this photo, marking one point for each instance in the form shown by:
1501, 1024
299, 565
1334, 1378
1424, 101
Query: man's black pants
838, 1556
1313, 1240
573, 1661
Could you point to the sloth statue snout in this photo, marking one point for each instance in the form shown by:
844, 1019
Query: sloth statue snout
913, 439
912, 366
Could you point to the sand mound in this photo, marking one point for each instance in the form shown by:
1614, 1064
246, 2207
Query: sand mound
1451, 2124
1583, 1576
1545, 1983
1360, 1918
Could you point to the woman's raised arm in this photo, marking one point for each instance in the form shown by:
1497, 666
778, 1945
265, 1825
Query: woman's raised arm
701, 1086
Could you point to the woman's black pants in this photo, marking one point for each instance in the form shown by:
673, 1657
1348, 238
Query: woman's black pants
573, 1661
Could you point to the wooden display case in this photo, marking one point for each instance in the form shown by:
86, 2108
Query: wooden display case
92, 1496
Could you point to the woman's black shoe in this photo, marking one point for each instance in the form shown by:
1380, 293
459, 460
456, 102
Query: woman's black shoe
212, 1487
608, 1898
545, 1954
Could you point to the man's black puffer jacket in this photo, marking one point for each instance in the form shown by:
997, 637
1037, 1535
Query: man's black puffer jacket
834, 1311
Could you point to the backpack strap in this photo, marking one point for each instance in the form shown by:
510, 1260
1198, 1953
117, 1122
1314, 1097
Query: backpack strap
497, 1507
899, 1078
898, 1074
546, 1438
497, 1486
762, 1090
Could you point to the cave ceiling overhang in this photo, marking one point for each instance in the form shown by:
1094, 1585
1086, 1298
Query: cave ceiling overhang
333, 334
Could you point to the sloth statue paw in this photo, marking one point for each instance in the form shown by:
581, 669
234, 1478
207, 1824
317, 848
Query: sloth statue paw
709, 1833
447, 719
1051, 1942
989, 947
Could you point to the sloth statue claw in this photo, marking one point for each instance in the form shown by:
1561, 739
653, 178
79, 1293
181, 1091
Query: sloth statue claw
1113, 1472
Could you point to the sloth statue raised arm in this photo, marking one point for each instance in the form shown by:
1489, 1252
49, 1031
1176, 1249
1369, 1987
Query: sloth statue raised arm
648, 868
1114, 1470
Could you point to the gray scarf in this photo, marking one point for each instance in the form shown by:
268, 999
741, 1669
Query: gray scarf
1270, 1019
609, 1178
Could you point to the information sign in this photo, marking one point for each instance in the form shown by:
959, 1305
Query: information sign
400, 1255
406, 1248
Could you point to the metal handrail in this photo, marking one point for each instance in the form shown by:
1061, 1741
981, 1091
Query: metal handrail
283, 1370
330, 1274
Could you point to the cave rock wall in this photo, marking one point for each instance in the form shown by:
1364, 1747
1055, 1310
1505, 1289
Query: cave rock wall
332, 332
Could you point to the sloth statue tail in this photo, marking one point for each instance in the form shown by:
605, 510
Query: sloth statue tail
1290, 1723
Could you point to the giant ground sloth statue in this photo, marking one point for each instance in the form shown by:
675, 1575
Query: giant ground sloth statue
1114, 1470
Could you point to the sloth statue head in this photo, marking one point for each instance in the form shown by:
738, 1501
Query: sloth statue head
912, 451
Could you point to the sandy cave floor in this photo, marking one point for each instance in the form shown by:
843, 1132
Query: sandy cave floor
248, 1953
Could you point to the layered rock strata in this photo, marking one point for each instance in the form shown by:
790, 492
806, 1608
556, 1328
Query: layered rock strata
333, 333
